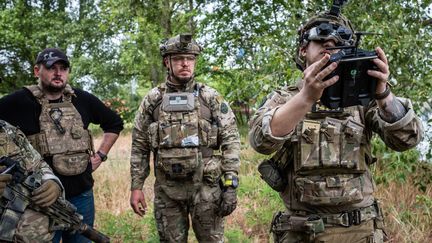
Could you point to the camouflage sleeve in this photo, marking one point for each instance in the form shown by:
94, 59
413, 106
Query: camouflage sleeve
228, 134
32, 160
260, 134
401, 135
47, 174
140, 151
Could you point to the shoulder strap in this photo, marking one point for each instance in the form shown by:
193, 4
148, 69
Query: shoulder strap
36, 91
205, 110
68, 93
156, 103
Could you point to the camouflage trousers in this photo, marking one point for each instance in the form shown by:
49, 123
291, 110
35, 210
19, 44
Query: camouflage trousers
201, 203
366, 232
33, 227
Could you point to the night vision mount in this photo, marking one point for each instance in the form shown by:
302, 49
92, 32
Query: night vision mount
336, 7
355, 86
185, 40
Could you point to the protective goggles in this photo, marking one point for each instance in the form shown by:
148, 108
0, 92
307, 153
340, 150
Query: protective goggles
328, 31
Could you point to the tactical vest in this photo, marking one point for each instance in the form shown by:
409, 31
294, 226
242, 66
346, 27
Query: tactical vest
330, 159
62, 134
183, 132
14, 145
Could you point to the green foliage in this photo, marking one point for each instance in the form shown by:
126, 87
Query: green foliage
235, 235
249, 45
395, 166
423, 176
258, 194
126, 227
122, 108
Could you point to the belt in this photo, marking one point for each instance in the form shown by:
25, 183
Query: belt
349, 218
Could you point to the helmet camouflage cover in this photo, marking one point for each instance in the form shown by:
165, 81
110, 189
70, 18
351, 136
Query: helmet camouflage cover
180, 44
322, 27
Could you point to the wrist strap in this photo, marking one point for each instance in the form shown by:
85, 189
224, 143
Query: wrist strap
102, 156
384, 94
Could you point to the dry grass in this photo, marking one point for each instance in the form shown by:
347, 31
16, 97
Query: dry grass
408, 212
407, 217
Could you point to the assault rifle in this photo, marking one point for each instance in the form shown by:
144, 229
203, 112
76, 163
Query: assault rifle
62, 213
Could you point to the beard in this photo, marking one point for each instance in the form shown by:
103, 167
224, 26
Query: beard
53, 89
183, 80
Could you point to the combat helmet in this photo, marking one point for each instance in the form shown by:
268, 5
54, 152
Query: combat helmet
180, 44
322, 27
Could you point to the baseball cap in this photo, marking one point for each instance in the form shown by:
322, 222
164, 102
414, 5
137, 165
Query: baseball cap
49, 56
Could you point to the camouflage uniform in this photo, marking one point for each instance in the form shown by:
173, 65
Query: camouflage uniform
32, 226
329, 189
197, 190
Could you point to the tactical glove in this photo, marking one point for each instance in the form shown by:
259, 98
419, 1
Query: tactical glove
4, 180
229, 202
46, 194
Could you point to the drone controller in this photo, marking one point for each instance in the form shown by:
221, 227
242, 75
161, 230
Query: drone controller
355, 86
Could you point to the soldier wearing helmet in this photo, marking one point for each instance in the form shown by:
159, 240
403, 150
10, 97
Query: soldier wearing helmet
321, 156
192, 133
173, 51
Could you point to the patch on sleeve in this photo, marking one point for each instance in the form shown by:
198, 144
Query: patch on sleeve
224, 108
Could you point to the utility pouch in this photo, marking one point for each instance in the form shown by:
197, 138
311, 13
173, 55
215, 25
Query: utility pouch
309, 146
330, 142
178, 134
76, 131
269, 172
71, 164
350, 145
179, 163
283, 222
314, 225
329, 190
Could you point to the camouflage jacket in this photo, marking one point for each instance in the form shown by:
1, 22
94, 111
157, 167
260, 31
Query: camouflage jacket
228, 136
14, 144
401, 135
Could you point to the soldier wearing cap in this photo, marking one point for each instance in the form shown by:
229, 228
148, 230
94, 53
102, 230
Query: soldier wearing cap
192, 133
321, 159
55, 118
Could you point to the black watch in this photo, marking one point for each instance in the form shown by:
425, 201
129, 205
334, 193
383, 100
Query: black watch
102, 156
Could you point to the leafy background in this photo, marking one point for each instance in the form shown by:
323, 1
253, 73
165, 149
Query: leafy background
249, 45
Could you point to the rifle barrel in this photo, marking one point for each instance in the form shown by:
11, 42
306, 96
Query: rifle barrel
93, 234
